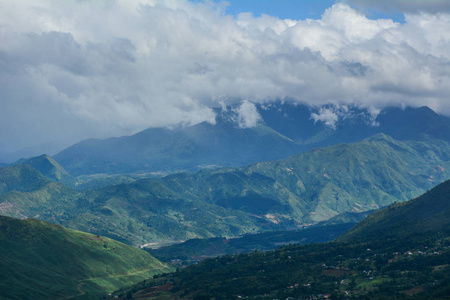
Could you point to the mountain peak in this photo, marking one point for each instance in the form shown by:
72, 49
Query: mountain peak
49, 167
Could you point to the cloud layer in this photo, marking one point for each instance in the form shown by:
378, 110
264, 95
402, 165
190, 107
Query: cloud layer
76, 69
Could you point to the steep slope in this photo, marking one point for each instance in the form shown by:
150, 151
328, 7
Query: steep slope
43, 261
284, 129
429, 212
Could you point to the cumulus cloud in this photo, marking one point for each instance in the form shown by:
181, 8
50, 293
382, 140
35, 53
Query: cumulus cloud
77, 69
247, 115
330, 115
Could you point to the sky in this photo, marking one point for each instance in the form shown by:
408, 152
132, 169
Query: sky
77, 69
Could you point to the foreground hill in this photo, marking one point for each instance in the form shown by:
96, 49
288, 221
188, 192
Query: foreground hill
43, 261
411, 262
283, 129
279, 195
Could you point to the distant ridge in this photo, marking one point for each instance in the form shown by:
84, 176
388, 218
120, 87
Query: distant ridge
284, 129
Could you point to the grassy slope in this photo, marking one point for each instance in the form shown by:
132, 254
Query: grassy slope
43, 261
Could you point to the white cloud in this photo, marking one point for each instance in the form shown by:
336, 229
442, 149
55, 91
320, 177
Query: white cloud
247, 115
331, 114
77, 69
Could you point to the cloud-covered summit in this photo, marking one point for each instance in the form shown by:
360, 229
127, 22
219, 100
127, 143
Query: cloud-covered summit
76, 69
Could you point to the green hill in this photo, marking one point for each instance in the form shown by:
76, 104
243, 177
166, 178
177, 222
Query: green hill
429, 212
43, 261
48, 167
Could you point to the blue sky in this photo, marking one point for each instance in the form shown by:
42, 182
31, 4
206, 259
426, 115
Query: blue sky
284, 9
299, 9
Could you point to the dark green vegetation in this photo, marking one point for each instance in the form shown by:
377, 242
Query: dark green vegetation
284, 129
411, 262
279, 195
43, 261
195, 250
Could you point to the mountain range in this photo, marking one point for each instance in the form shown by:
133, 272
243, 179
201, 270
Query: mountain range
283, 129
277, 195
